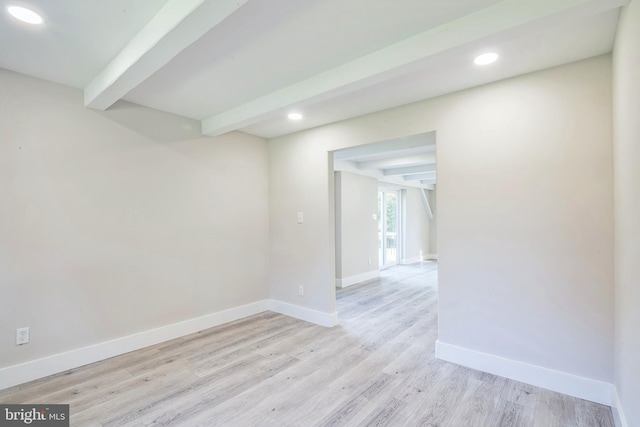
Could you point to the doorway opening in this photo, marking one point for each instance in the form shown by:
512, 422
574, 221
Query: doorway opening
389, 229
381, 196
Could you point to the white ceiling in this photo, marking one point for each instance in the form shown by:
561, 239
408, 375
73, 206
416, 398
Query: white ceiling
454, 70
79, 39
267, 45
244, 64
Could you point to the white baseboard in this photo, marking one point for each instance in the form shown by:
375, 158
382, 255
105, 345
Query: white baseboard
562, 382
306, 314
410, 260
618, 414
430, 257
358, 278
40, 368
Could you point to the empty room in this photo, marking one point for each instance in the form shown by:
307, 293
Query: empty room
314, 213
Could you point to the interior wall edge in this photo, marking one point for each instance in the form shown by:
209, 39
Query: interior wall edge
618, 414
358, 278
302, 313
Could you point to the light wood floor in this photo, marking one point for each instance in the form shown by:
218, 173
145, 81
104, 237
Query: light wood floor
376, 368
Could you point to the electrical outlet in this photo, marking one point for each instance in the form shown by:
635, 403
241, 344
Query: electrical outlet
369, 260
22, 336
301, 290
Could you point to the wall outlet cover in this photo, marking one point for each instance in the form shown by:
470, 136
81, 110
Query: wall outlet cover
22, 336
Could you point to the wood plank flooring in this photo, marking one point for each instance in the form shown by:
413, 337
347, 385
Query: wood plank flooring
376, 368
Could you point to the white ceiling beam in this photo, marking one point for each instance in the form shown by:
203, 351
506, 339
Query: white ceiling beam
349, 166
512, 17
420, 176
175, 27
391, 148
428, 182
415, 160
407, 170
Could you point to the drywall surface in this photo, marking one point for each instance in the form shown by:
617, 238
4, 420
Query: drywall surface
626, 83
525, 230
301, 181
526, 220
416, 243
121, 221
433, 224
356, 229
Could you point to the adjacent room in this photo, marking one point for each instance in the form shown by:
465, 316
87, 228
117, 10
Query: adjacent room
384, 206
238, 212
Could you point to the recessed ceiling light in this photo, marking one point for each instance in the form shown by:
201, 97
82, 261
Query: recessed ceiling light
486, 58
25, 15
295, 116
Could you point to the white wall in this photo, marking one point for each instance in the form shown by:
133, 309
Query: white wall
526, 220
433, 224
121, 221
417, 227
301, 180
525, 214
626, 81
356, 230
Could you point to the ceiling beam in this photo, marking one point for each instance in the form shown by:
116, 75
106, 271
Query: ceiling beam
349, 166
390, 148
415, 160
428, 182
407, 170
175, 27
512, 17
420, 176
